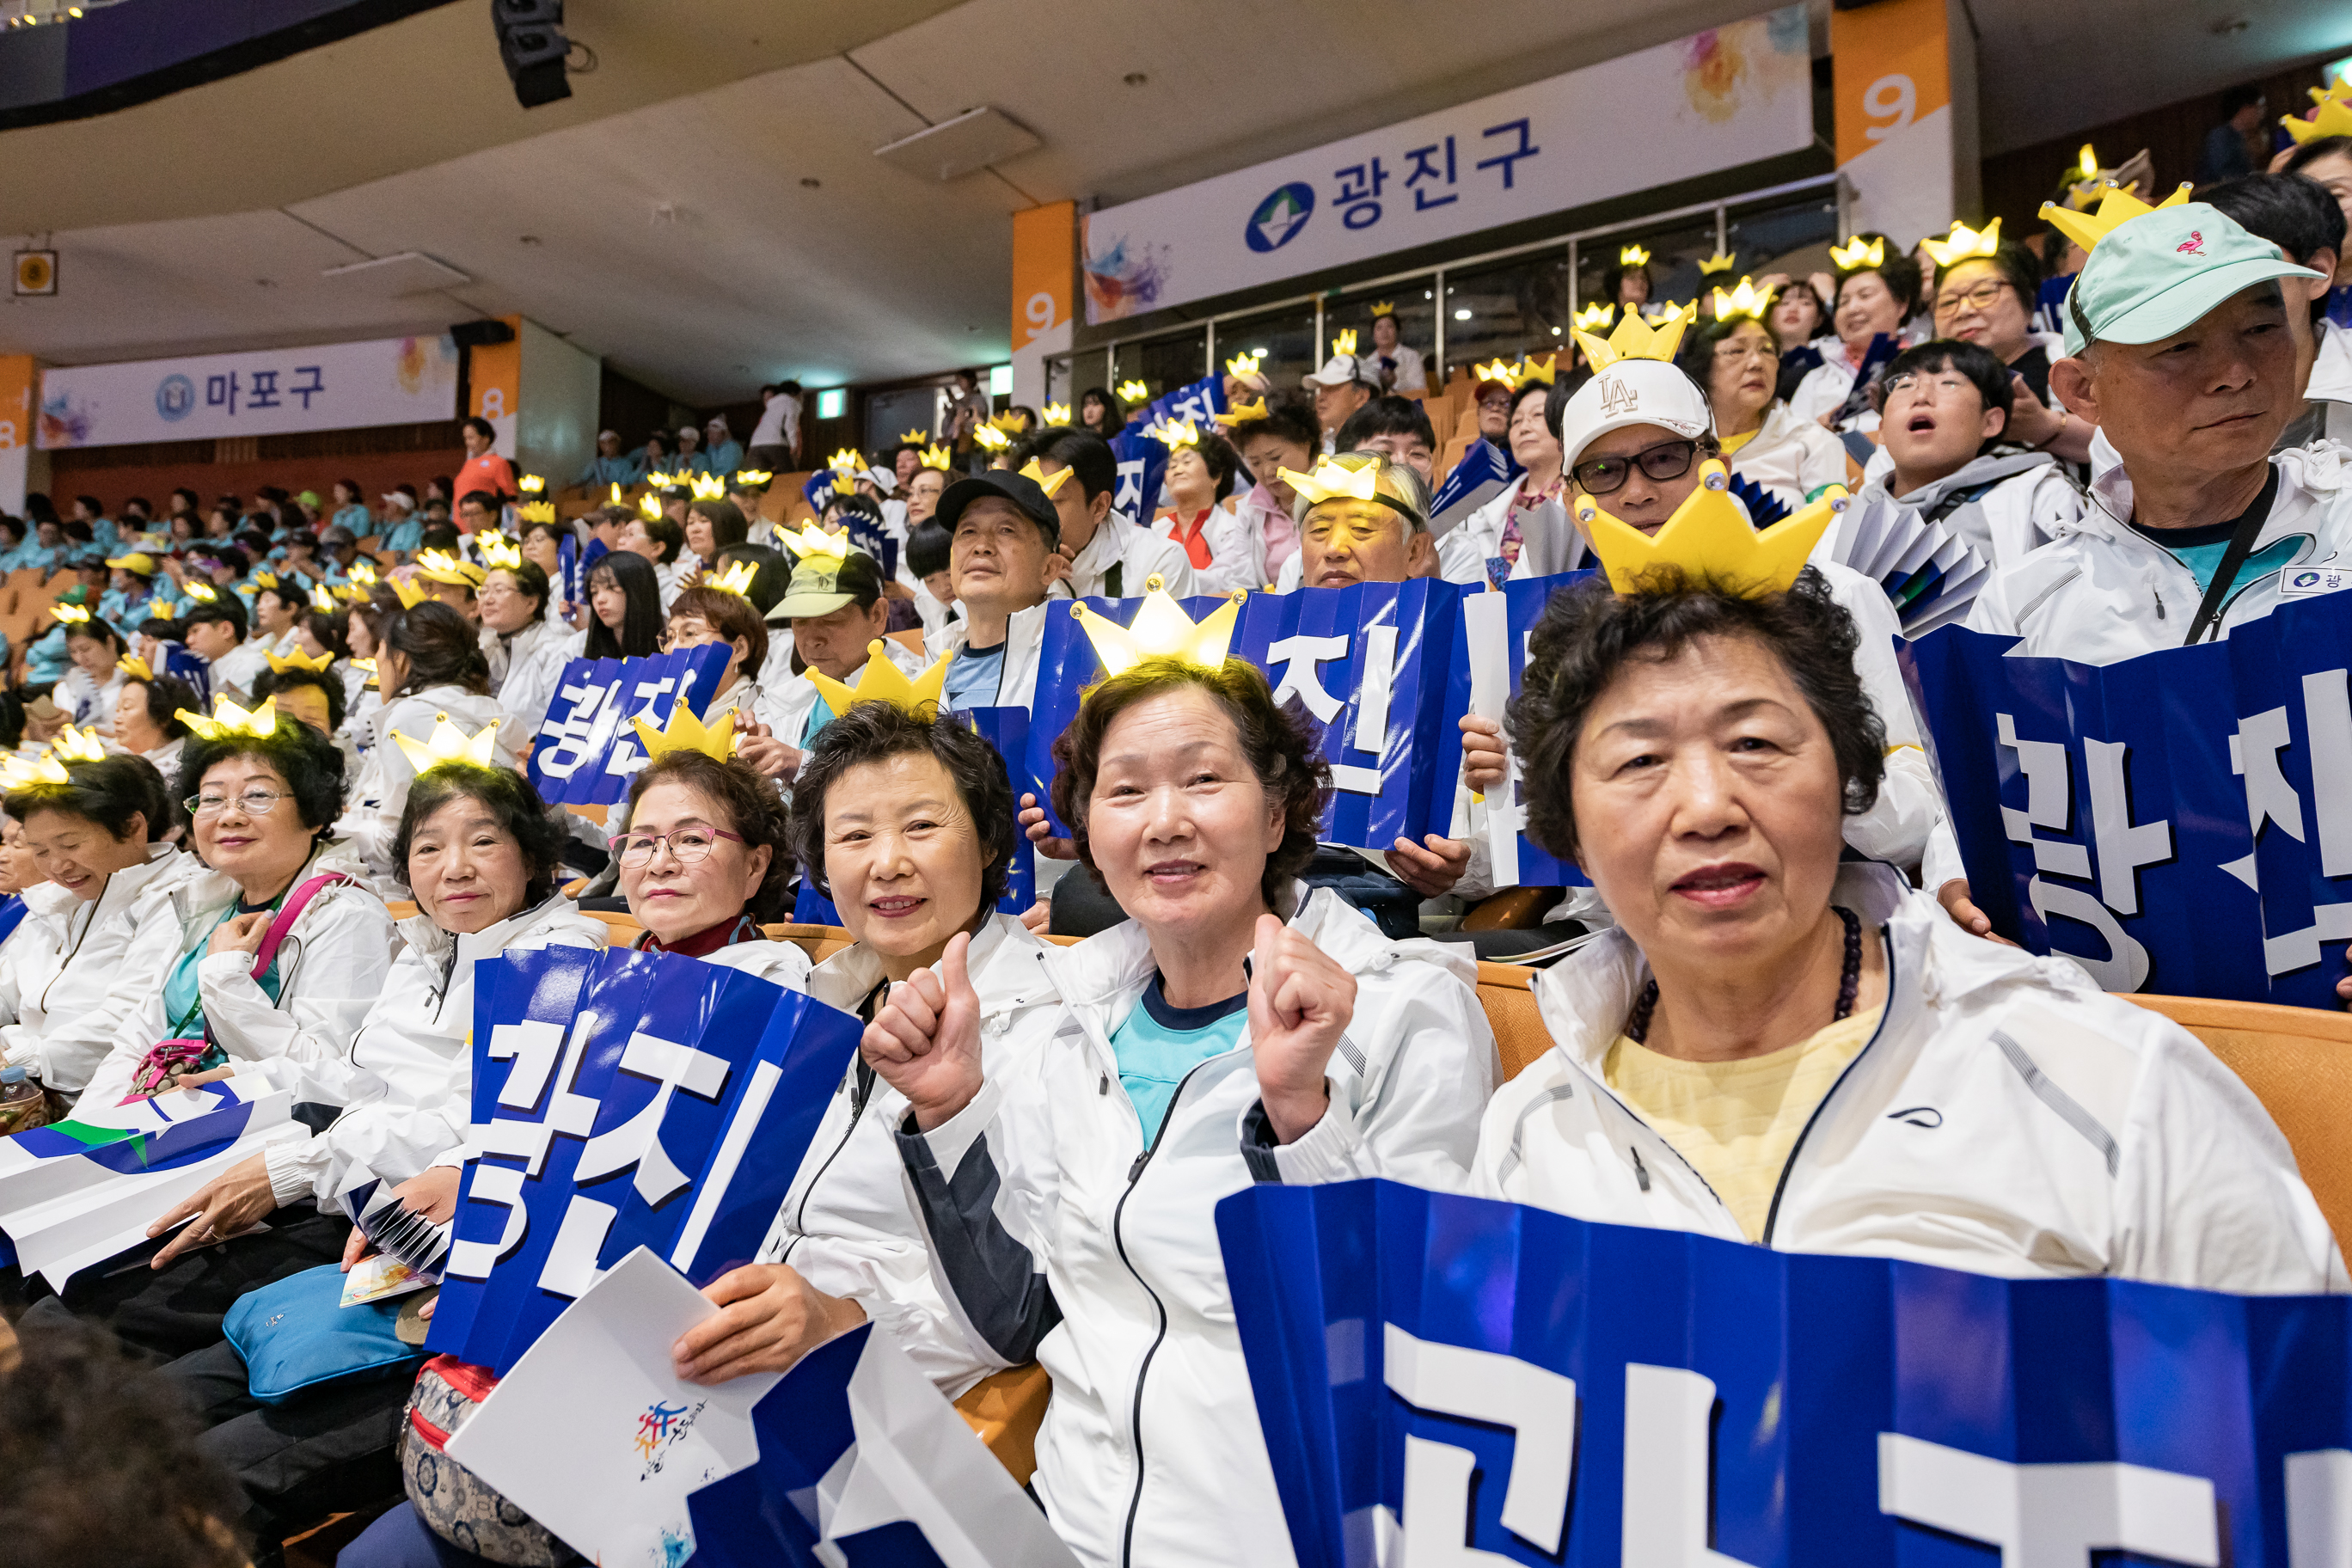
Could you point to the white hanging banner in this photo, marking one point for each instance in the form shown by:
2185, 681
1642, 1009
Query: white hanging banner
1716, 99
326, 386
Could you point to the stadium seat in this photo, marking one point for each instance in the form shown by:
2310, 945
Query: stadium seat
911, 639
2298, 1062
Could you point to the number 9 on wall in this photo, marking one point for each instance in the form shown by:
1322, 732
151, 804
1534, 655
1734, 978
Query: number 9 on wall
1893, 99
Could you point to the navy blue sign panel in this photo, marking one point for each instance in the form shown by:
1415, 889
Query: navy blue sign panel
586, 751
2180, 823
1368, 664
1469, 1382
620, 1099
1142, 460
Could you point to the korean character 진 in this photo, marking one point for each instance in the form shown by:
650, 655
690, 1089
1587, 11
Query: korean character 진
1425, 168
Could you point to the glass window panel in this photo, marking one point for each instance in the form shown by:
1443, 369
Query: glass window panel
1416, 312
1058, 388
1673, 272
1514, 308
1163, 364
1284, 335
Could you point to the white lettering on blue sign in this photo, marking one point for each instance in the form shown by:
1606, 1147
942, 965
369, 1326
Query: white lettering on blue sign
2123, 848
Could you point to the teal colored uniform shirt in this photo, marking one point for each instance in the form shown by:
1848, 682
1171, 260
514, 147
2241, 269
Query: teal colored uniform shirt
1158, 1044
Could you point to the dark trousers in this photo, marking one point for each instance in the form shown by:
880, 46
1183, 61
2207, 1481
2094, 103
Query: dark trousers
169, 1314
401, 1539
326, 1450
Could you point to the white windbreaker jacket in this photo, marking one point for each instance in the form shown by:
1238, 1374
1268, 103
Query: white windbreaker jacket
1792, 456
524, 668
848, 1224
1061, 1235
1025, 639
2006, 1118
332, 966
405, 1083
2100, 590
75, 970
1237, 548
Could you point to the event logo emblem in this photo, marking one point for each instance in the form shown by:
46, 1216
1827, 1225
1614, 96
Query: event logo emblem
2306, 579
1280, 216
175, 397
660, 1429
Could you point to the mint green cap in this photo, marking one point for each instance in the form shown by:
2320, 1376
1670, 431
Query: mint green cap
2158, 273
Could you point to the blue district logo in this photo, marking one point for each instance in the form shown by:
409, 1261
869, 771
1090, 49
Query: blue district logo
175, 397
1280, 216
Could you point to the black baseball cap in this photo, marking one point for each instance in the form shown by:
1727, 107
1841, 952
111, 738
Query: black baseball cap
1024, 492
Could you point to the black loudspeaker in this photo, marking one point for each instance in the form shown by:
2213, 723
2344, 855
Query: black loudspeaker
532, 47
481, 334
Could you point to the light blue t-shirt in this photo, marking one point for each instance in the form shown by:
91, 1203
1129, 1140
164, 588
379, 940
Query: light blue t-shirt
974, 676
1158, 1044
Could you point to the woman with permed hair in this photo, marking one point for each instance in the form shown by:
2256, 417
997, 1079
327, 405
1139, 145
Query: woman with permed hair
430, 665
98, 932
1231, 1002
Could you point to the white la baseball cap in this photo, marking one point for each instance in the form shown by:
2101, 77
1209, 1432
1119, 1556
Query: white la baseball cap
1633, 392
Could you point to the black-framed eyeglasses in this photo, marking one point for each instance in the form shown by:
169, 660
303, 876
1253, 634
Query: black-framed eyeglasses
1605, 476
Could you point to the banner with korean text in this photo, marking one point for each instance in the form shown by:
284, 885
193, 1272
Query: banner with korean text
1713, 100
1452, 1380
2179, 823
1368, 664
587, 749
326, 386
624, 1100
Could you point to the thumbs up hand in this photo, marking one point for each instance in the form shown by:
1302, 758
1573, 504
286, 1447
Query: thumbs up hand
925, 1041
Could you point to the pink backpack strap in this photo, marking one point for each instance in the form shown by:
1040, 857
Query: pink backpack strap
283, 922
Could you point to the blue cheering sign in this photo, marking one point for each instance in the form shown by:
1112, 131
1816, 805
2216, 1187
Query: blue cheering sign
1368, 664
2179, 823
1142, 460
624, 1100
1450, 1379
586, 751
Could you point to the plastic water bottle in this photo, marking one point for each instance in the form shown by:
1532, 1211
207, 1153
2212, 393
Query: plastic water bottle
22, 1104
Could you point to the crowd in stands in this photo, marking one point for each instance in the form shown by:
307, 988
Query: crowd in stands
266, 813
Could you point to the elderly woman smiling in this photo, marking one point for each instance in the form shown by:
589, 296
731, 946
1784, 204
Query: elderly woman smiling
1229, 1032
1781, 1047
905, 821
703, 862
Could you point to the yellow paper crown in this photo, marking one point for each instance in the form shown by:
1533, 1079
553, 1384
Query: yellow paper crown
2331, 117
363, 574
1498, 372
686, 731
883, 681
661, 481
1334, 478
814, 540
132, 664
1594, 316
1531, 371
710, 487
1161, 630
440, 566
937, 457
281, 663
616, 499
450, 744
1132, 392
530, 484
1965, 244
649, 506
2117, 207
73, 745
369, 666
265, 579
1243, 412
532, 511
202, 592
1856, 255
70, 614
1385, 308
407, 592
1721, 261
753, 478
990, 437
1636, 339
1056, 413
322, 599
1012, 421
1345, 342
1050, 483
1745, 300
736, 580
228, 719
1245, 365
498, 550
848, 461
32, 772
1632, 255
1710, 538
1172, 433
914, 437
2087, 165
